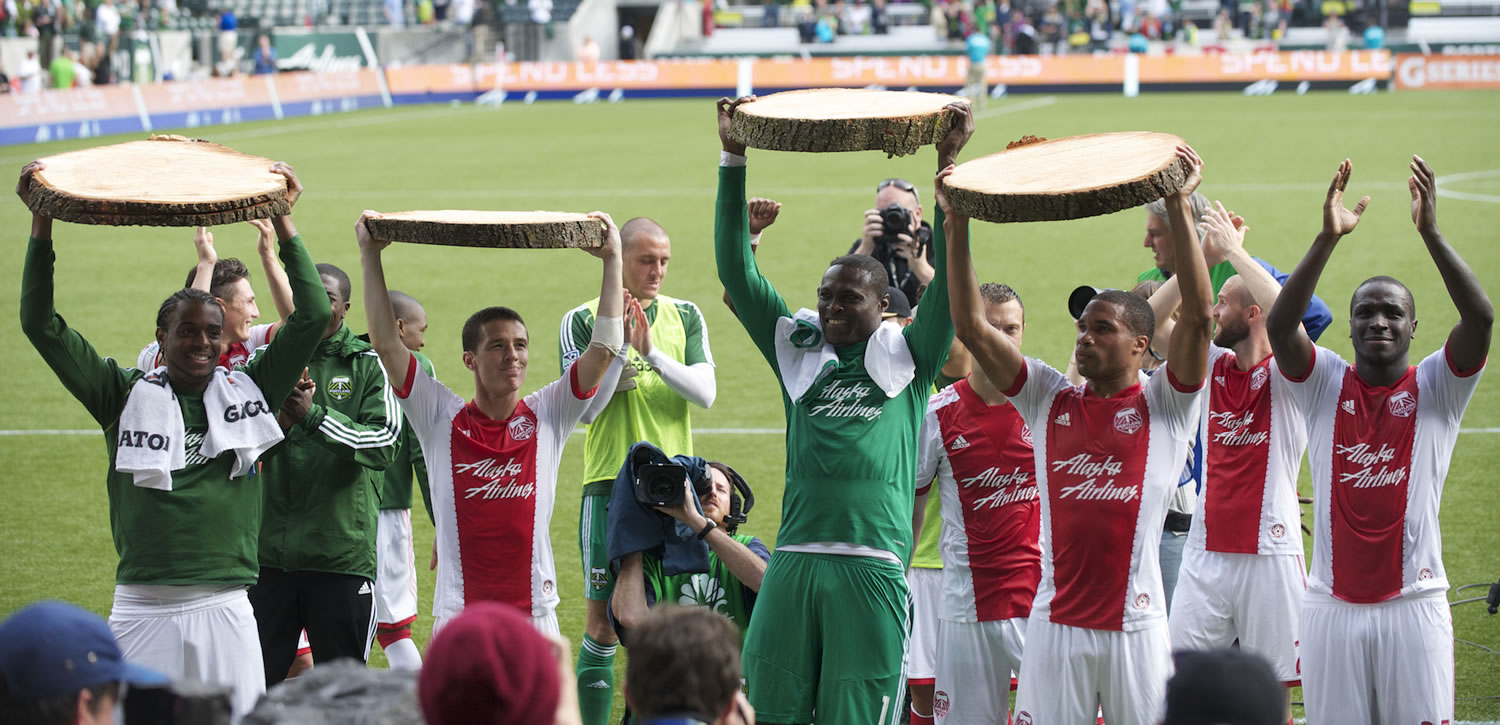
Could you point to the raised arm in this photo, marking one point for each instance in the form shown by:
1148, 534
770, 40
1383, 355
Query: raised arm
281, 289
1290, 344
931, 333
1187, 357
1469, 341
1226, 235
994, 352
609, 330
380, 318
692, 379
203, 274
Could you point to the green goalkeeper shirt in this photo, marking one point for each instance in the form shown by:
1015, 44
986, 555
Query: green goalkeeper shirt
850, 450
204, 530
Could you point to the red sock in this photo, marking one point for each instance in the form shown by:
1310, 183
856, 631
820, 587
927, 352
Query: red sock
920, 719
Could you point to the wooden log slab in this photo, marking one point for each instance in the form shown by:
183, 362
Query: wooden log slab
1068, 178
503, 229
843, 119
167, 181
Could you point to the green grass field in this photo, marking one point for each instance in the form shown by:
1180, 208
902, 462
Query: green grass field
1269, 158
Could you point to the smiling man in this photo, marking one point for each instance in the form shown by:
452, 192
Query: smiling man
645, 397
1377, 635
828, 640
183, 508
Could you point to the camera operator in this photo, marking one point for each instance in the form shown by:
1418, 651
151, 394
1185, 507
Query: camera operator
685, 670
895, 234
736, 563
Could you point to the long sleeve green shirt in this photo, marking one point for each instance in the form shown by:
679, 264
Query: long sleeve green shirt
851, 452
204, 530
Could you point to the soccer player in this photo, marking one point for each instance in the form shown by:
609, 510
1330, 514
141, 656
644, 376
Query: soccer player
187, 551
1108, 455
1377, 636
829, 636
321, 500
493, 462
1242, 575
229, 282
979, 449
646, 397
395, 557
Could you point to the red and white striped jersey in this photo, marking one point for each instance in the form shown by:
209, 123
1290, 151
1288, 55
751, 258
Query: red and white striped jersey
1105, 468
493, 484
1253, 441
1379, 456
985, 472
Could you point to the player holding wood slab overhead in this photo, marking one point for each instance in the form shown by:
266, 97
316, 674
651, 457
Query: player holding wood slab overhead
183, 439
492, 462
1377, 635
828, 638
1108, 455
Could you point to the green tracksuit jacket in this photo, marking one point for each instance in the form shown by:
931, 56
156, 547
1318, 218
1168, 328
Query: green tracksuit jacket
322, 484
204, 530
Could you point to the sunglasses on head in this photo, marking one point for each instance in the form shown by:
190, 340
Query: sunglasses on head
901, 184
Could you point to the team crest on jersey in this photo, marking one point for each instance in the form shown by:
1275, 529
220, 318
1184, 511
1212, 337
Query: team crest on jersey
1128, 421
1142, 601
522, 428
940, 704
1258, 379
1218, 379
598, 579
547, 587
340, 387
1402, 404
1278, 531
1026, 434
1424, 575
1023, 718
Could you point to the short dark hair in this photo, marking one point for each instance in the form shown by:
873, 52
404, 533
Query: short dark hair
338, 275
186, 294
59, 710
878, 279
683, 660
478, 320
736, 504
403, 304
995, 293
1134, 310
1411, 302
227, 271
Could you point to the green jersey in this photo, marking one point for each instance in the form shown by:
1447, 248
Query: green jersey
850, 449
717, 589
204, 530
395, 484
652, 411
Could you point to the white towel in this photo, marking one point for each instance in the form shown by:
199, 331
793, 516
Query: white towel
151, 428
804, 355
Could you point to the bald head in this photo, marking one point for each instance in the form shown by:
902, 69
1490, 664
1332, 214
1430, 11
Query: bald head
404, 305
645, 251
411, 320
640, 229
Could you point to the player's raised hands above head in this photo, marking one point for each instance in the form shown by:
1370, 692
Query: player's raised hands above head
293, 184
1194, 170
1337, 220
1423, 187
611, 247
23, 187
762, 213
367, 243
958, 133
727, 108
1224, 233
940, 191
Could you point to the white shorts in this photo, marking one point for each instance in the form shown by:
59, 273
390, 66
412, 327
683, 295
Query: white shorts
926, 587
396, 569
204, 634
1069, 673
1390, 662
546, 624
973, 676
1255, 599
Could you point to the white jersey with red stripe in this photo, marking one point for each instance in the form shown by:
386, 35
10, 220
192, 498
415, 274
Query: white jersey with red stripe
493, 484
1254, 441
982, 458
1379, 457
1105, 469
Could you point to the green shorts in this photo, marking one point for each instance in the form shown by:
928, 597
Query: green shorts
598, 583
828, 639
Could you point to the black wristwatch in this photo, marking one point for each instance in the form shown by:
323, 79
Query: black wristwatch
710, 526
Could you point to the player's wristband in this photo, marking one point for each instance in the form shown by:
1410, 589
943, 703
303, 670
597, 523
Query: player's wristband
707, 527
609, 333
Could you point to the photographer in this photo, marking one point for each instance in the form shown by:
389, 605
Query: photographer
736, 563
685, 670
895, 235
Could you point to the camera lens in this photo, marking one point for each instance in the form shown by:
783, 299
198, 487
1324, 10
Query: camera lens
662, 487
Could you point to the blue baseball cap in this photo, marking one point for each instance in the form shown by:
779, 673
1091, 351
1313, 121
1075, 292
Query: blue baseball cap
54, 648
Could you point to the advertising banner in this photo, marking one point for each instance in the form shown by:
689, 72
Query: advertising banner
72, 113
318, 51
208, 102
313, 94
1294, 66
1429, 72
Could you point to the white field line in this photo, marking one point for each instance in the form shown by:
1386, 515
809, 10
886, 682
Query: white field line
576, 431
1017, 107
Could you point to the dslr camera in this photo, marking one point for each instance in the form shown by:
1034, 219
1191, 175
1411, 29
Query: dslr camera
896, 220
660, 484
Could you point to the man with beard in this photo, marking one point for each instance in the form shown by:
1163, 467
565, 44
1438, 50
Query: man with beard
1377, 636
